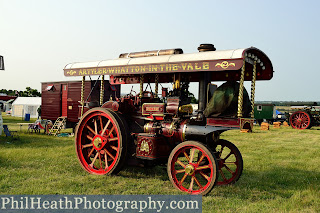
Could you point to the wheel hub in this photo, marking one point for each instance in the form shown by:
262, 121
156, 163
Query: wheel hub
97, 142
189, 169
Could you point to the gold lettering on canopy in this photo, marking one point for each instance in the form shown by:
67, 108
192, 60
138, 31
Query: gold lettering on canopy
153, 68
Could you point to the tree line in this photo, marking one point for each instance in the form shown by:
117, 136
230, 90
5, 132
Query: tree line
28, 92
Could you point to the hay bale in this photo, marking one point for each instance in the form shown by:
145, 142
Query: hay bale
264, 126
276, 125
285, 123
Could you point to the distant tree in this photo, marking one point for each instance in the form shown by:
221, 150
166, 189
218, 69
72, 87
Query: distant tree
193, 99
29, 92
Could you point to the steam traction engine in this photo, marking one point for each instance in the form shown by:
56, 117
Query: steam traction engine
143, 128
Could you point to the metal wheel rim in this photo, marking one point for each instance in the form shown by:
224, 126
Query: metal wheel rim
192, 181
94, 126
300, 120
229, 162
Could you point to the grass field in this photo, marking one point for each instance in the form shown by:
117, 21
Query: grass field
281, 171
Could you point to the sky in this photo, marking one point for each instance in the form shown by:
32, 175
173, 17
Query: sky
39, 37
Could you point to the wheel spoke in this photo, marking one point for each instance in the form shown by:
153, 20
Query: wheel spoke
220, 153
191, 155
95, 126
87, 145
111, 130
106, 160
88, 127
231, 163
229, 169
112, 139
181, 164
89, 137
201, 158
180, 171
100, 160
221, 173
90, 153
186, 155
205, 176
197, 182
109, 154
183, 178
101, 124
94, 159
114, 148
105, 128
203, 167
228, 155
191, 183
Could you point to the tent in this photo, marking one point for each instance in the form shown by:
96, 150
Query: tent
26, 105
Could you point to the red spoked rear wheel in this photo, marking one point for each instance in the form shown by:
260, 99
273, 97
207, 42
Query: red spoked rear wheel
300, 120
101, 142
192, 168
230, 162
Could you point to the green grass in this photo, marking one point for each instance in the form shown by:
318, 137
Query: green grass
281, 171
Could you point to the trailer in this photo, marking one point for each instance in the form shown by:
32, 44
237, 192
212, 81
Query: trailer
62, 98
144, 127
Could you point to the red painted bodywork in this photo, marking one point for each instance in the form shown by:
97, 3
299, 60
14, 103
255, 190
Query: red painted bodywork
157, 147
7, 97
64, 101
52, 105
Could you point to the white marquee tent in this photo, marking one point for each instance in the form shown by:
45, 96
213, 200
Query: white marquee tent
24, 105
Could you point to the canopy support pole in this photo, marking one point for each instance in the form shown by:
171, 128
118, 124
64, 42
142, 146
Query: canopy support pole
253, 87
102, 90
82, 94
156, 85
141, 85
240, 97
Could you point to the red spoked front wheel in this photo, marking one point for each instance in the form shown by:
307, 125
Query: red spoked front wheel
101, 141
230, 162
192, 168
300, 120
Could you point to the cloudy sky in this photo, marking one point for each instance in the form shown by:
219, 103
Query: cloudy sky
39, 37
